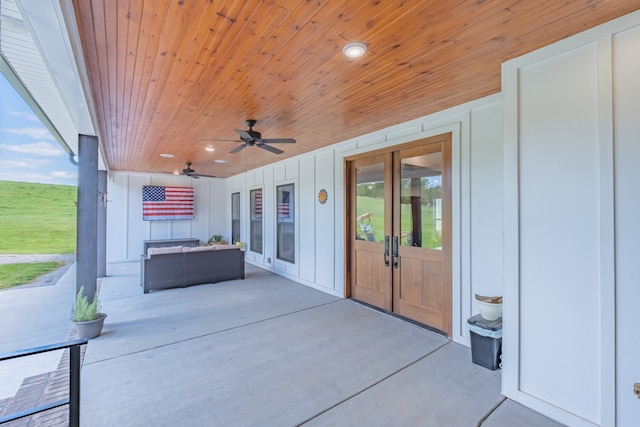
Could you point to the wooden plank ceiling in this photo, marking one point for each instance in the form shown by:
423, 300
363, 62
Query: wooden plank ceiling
173, 76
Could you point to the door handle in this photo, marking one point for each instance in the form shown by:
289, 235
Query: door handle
386, 251
394, 251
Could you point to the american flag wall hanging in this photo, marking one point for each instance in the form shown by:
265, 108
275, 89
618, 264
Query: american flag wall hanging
164, 203
283, 207
258, 203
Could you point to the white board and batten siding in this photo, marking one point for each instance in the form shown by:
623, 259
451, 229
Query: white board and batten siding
476, 128
126, 230
626, 104
571, 229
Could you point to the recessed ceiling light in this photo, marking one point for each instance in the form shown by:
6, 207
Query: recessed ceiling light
220, 161
168, 156
354, 50
209, 148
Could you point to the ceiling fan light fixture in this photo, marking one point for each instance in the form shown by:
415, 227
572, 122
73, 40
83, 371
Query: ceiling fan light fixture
220, 161
354, 50
252, 138
168, 156
209, 148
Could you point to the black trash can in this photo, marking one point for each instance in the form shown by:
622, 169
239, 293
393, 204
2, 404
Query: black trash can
486, 341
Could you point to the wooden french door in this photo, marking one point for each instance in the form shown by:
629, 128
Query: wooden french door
371, 198
399, 222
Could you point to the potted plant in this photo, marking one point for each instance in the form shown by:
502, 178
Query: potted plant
217, 239
86, 316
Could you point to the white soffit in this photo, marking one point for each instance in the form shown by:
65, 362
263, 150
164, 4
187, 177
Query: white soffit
34, 42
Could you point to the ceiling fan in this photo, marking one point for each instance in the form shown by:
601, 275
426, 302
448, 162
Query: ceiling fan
192, 173
251, 137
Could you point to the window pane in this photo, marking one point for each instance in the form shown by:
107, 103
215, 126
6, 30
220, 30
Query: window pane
421, 201
286, 223
255, 221
370, 203
235, 217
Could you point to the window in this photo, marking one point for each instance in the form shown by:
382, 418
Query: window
285, 223
235, 217
255, 244
421, 201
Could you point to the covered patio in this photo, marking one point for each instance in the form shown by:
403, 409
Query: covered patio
535, 109
267, 351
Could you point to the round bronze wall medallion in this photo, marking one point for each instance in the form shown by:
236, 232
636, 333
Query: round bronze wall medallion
323, 196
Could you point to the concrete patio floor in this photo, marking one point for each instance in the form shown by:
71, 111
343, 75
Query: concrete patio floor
266, 351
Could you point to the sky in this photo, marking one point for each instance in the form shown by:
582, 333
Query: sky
28, 152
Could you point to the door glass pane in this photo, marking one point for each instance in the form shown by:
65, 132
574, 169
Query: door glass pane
370, 203
255, 221
235, 217
286, 229
421, 201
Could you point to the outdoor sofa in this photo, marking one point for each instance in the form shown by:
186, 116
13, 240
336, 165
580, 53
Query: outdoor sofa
178, 266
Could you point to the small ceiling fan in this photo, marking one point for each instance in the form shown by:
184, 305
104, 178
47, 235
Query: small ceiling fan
251, 137
192, 173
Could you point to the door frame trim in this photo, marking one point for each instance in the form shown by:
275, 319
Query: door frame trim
455, 137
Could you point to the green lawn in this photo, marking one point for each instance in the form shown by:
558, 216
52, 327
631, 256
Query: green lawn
430, 237
37, 218
20, 274
376, 207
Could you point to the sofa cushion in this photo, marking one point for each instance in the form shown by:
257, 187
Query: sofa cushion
219, 246
198, 249
166, 250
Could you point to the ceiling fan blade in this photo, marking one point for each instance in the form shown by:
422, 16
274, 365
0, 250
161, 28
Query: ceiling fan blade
190, 173
279, 141
238, 148
244, 135
270, 148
